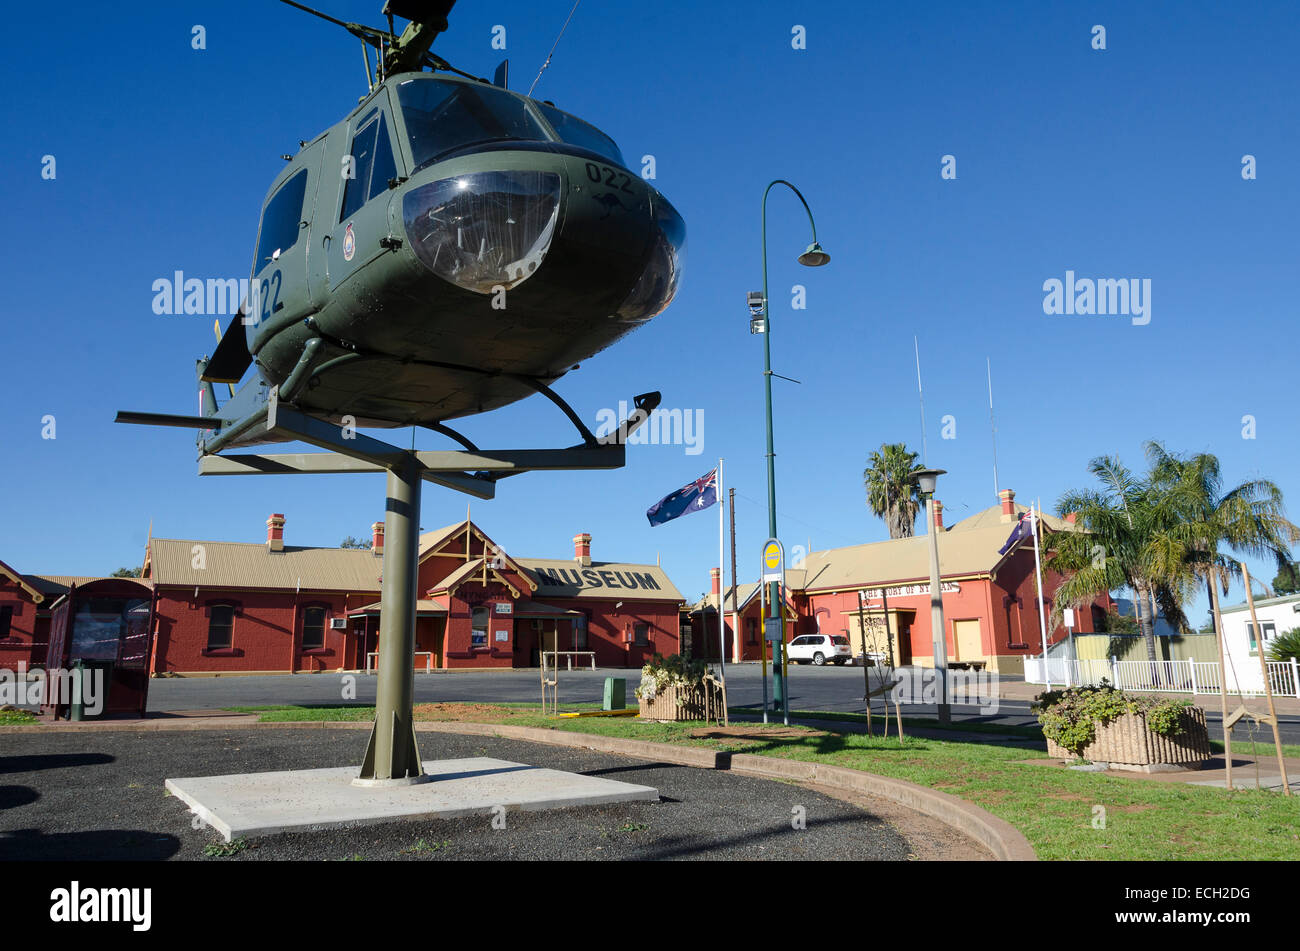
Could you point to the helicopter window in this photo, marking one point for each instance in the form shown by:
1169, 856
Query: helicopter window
374, 165
442, 116
363, 157
385, 166
582, 134
281, 220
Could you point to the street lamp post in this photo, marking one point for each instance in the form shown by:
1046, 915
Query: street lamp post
927, 478
814, 256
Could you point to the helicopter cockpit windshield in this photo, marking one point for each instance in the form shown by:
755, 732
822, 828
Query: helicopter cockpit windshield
444, 116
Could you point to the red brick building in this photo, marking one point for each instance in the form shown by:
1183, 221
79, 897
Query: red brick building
990, 601
238, 608
26, 602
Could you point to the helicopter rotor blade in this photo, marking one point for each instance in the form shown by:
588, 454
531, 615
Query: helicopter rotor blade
376, 38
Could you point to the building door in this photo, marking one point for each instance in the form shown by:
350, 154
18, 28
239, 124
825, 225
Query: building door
969, 642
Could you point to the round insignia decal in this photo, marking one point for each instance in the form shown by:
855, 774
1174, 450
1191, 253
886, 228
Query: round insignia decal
349, 243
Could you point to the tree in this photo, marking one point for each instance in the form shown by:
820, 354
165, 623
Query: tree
1249, 519
351, 542
1287, 579
1125, 543
128, 572
892, 491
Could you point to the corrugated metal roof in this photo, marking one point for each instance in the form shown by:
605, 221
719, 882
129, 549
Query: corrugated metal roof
558, 578
425, 607
58, 585
244, 565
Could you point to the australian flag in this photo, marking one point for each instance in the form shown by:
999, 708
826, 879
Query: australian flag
698, 495
1024, 529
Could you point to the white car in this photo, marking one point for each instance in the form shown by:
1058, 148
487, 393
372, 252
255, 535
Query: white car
820, 648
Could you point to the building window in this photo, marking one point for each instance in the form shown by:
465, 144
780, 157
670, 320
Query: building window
641, 635
478, 636
6, 619
1269, 632
313, 628
580, 633
751, 631
221, 626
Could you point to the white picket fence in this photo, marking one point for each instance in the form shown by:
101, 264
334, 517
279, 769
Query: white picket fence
1163, 676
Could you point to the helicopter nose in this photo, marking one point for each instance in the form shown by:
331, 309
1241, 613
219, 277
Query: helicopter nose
484, 230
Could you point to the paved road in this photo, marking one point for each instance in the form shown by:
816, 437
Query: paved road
834, 689
70, 796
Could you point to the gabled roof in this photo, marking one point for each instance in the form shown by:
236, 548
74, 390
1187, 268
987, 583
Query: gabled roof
36, 595
432, 542
249, 565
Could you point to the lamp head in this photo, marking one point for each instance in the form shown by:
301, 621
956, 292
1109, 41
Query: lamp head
927, 478
814, 256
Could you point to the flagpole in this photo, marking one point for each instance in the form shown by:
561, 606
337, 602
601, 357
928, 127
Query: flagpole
1038, 575
722, 637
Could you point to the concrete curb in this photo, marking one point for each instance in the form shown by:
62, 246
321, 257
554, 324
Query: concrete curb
998, 836
1001, 838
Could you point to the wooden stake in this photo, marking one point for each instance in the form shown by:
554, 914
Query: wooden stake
1223, 683
1268, 688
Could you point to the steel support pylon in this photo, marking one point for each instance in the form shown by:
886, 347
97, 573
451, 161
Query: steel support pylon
392, 754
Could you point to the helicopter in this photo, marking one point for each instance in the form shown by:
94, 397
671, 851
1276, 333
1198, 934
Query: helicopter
447, 248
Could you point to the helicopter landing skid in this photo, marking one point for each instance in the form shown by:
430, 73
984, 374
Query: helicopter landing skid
473, 471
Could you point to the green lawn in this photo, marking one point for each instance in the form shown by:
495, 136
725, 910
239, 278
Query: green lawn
16, 717
1055, 809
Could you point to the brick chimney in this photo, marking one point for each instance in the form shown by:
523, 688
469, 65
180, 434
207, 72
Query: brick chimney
938, 514
275, 532
377, 538
1071, 516
1008, 498
715, 575
582, 549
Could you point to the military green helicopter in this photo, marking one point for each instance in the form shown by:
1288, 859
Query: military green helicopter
447, 248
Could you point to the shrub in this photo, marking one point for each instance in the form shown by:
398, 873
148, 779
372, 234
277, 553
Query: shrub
672, 671
1285, 646
1069, 717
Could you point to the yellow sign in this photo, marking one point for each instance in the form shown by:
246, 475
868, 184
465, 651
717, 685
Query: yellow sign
772, 555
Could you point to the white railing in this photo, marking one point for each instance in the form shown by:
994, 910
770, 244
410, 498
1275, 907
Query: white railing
1163, 676
568, 656
374, 656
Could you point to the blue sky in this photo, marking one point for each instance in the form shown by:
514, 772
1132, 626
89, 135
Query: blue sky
1120, 163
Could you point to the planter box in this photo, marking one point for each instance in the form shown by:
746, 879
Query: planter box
681, 703
1127, 743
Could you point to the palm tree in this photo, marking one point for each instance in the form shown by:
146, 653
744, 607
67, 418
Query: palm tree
1249, 519
1127, 542
892, 491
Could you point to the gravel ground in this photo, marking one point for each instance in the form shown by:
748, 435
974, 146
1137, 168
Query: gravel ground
75, 796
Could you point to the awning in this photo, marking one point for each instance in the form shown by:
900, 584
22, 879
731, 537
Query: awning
423, 608
535, 609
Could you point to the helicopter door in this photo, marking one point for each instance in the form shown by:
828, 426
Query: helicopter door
363, 216
281, 265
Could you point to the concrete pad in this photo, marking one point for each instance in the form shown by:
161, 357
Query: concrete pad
250, 804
